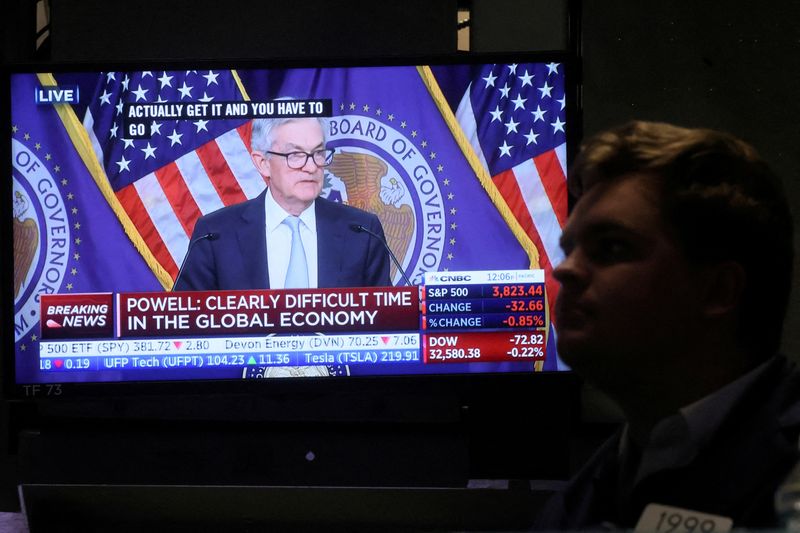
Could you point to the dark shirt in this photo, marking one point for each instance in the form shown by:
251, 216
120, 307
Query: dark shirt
724, 455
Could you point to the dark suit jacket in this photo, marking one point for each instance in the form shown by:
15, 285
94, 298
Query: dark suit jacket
734, 475
236, 257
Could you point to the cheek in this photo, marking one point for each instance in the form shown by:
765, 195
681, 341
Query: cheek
650, 301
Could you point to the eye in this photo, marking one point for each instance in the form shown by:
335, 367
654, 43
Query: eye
611, 250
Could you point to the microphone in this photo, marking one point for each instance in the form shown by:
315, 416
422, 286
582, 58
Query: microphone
211, 236
358, 228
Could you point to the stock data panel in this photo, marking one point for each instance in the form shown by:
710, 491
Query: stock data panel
484, 316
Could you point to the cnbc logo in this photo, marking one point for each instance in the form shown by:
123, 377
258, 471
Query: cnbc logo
445, 277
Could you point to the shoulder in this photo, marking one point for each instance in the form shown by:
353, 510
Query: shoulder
335, 209
780, 379
578, 504
235, 211
783, 386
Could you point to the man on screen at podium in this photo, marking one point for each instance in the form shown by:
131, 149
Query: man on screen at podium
287, 237
675, 283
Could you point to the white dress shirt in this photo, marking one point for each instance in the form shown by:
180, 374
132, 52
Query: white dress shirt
279, 242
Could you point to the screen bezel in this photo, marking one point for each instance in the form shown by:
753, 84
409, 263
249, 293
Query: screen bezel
466, 384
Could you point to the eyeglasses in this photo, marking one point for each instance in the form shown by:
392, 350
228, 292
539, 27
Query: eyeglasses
297, 160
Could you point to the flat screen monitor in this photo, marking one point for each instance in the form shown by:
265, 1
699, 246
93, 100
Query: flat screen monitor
141, 206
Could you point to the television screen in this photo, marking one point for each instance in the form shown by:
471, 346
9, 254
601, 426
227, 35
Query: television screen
147, 244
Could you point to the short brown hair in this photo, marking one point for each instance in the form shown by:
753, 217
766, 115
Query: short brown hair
721, 199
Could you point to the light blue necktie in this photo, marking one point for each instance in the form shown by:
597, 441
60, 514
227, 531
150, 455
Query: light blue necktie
297, 274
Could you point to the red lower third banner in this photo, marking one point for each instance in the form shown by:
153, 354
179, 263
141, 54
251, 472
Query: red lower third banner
267, 311
158, 314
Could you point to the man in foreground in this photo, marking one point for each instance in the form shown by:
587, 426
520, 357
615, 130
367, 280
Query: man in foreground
674, 288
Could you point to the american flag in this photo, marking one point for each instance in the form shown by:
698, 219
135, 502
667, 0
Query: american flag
186, 168
514, 116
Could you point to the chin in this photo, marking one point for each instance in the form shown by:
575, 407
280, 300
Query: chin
575, 346
310, 193
568, 350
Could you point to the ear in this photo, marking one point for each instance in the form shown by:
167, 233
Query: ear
723, 292
261, 163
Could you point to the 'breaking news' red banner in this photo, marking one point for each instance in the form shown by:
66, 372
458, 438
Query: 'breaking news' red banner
69, 316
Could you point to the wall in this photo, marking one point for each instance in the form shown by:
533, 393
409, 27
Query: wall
728, 65
251, 29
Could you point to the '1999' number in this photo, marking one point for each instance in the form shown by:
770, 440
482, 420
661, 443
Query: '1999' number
673, 522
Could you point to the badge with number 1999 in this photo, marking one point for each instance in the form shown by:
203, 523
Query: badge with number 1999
658, 518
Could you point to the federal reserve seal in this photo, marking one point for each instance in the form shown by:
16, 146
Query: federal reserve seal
42, 235
382, 167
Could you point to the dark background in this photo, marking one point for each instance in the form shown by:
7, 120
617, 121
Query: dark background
726, 65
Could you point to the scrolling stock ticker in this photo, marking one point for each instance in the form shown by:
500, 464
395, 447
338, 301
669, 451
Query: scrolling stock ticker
455, 317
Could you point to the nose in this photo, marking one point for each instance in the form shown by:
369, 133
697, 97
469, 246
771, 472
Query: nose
310, 166
573, 271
